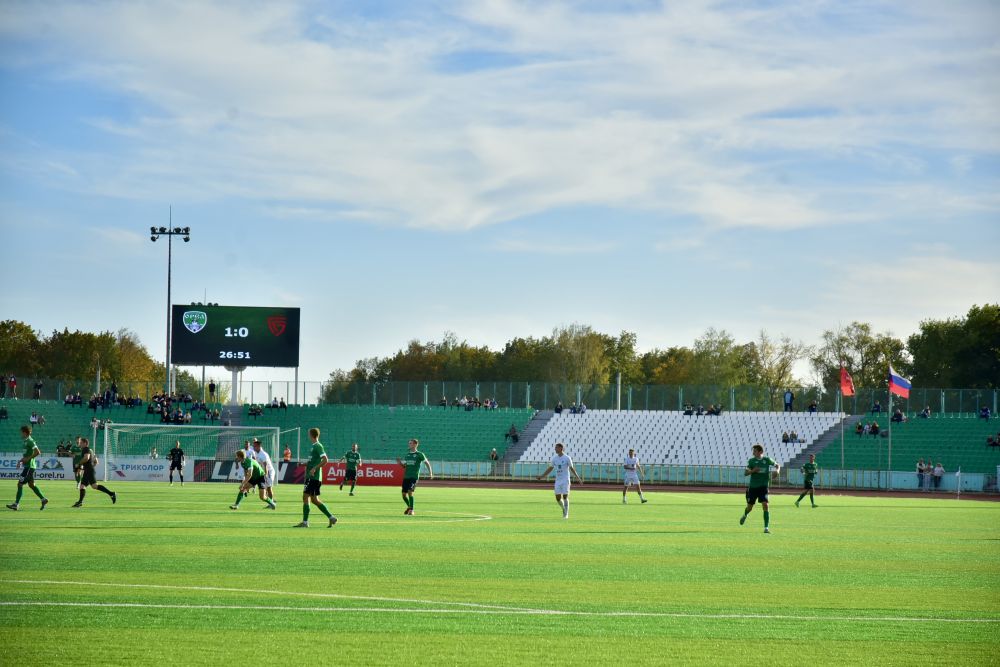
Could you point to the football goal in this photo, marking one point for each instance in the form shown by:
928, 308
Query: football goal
132, 447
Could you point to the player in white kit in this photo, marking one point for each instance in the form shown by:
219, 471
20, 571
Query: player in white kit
632, 474
563, 465
264, 459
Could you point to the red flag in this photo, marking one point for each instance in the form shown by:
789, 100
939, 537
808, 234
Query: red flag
846, 383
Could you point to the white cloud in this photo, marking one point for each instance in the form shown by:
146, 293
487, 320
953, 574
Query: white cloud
675, 111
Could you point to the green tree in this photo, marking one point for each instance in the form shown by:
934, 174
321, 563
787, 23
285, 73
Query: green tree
622, 358
958, 352
770, 362
673, 366
20, 348
866, 355
718, 360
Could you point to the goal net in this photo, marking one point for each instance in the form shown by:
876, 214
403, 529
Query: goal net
141, 451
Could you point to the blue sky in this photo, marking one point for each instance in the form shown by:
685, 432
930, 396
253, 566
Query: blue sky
498, 168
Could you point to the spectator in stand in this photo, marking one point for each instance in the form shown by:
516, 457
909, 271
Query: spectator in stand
38, 390
3, 385
114, 391
287, 455
938, 474
785, 437
12, 387
990, 442
789, 400
859, 429
211, 391
283, 405
793, 437
688, 410
920, 474
494, 461
984, 412
925, 413
274, 402
572, 408
215, 414
559, 408
898, 416
813, 407
996, 441
700, 411
153, 454
511, 434
877, 408
582, 408
3, 413
874, 429
33, 419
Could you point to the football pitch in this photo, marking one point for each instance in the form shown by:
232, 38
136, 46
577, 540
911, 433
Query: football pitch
496, 576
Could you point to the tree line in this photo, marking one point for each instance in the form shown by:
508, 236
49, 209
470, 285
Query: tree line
956, 352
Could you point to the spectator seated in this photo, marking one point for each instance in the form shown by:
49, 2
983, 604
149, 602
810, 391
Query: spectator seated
859, 429
689, 410
898, 417
925, 413
984, 412
813, 407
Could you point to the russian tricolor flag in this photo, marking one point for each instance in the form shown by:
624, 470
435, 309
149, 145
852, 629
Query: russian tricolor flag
898, 384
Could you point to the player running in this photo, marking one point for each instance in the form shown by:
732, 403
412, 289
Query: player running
253, 475
88, 474
633, 472
264, 459
177, 461
411, 472
314, 481
353, 459
29, 465
76, 450
809, 471
759, 471
563, 465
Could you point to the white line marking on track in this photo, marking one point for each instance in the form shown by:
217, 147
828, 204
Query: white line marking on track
471, 608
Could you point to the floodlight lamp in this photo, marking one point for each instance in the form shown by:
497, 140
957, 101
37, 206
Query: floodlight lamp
163, 230
153, 239
187, 231
186, 239
152, 230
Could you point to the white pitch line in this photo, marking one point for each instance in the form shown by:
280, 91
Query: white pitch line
495, 612
471, 608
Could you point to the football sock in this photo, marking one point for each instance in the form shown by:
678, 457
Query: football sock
324, 510
801, 497
411, 502
83, 492
239, 498
20, 492
38, 492
171, 476
565, 505
305, 511
812, 498
182, 478
767, 518
103, 489
352, 486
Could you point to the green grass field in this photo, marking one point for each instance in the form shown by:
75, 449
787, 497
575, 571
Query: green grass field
487, 576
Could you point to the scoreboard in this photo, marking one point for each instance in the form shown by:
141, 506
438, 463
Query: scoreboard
234, 336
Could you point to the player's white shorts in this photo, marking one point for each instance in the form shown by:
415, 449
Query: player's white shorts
631, 477
268, 478
562, 487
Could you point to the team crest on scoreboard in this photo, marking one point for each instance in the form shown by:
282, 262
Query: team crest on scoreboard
195, 320
276, 324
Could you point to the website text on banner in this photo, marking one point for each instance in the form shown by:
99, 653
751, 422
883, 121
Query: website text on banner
49, 467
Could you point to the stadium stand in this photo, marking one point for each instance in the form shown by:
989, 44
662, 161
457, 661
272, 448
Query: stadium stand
600, 436
955, 442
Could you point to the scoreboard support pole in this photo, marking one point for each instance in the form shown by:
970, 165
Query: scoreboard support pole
296, 385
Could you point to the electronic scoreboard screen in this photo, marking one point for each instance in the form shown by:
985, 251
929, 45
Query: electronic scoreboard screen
234, 336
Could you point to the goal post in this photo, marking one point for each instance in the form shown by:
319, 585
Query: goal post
128, 448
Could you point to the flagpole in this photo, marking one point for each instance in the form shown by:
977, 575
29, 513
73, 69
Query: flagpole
889, 480
842, 418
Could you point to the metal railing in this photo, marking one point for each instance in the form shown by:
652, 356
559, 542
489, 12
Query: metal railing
540, 395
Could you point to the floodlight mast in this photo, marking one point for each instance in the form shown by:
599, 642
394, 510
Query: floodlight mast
169, 232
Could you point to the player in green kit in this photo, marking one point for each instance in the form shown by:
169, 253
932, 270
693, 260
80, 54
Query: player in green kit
759, 471
809, 471
253, 475
411, 472
353, 459
29, 465
314, 481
